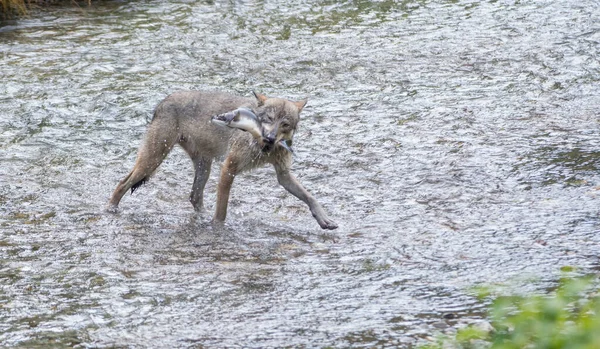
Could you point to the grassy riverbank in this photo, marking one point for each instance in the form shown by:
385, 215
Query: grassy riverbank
9, 8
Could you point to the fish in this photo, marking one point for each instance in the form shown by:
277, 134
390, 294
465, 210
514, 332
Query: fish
245, 120
283, 143
241, 118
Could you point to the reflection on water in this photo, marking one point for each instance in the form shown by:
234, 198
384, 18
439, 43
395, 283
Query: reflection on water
456, 142
561, 164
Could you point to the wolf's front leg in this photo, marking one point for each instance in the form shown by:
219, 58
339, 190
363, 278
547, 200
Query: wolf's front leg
291, 184
228, 173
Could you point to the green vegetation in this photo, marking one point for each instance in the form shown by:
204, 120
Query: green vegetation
568, 318
13, 6
21, 7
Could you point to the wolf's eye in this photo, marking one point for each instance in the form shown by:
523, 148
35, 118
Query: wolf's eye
285, 126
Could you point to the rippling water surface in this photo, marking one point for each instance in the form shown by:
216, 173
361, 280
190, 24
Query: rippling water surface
456, 143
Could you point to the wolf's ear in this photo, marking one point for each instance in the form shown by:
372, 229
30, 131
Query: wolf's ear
260, 98
300, 104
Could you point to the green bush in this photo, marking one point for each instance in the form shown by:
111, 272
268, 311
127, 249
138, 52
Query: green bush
567, 318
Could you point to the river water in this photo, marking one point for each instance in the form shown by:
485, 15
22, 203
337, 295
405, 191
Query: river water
456, 143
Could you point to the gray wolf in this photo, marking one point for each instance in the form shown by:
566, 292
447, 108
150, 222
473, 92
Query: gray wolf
184, 118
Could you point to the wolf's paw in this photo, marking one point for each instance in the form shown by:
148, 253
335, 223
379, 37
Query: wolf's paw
328, 224
112, 208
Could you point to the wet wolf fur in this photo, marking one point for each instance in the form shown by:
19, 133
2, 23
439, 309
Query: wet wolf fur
184, 118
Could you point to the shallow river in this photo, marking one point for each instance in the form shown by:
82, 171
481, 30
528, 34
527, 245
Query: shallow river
456, 143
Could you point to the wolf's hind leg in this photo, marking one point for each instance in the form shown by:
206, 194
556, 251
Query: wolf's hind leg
157, 144
202, 168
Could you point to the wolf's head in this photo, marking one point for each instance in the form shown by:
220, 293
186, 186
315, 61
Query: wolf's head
279, 118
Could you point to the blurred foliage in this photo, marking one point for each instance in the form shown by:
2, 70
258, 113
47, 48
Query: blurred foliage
8, 7
21, 7
567, 318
